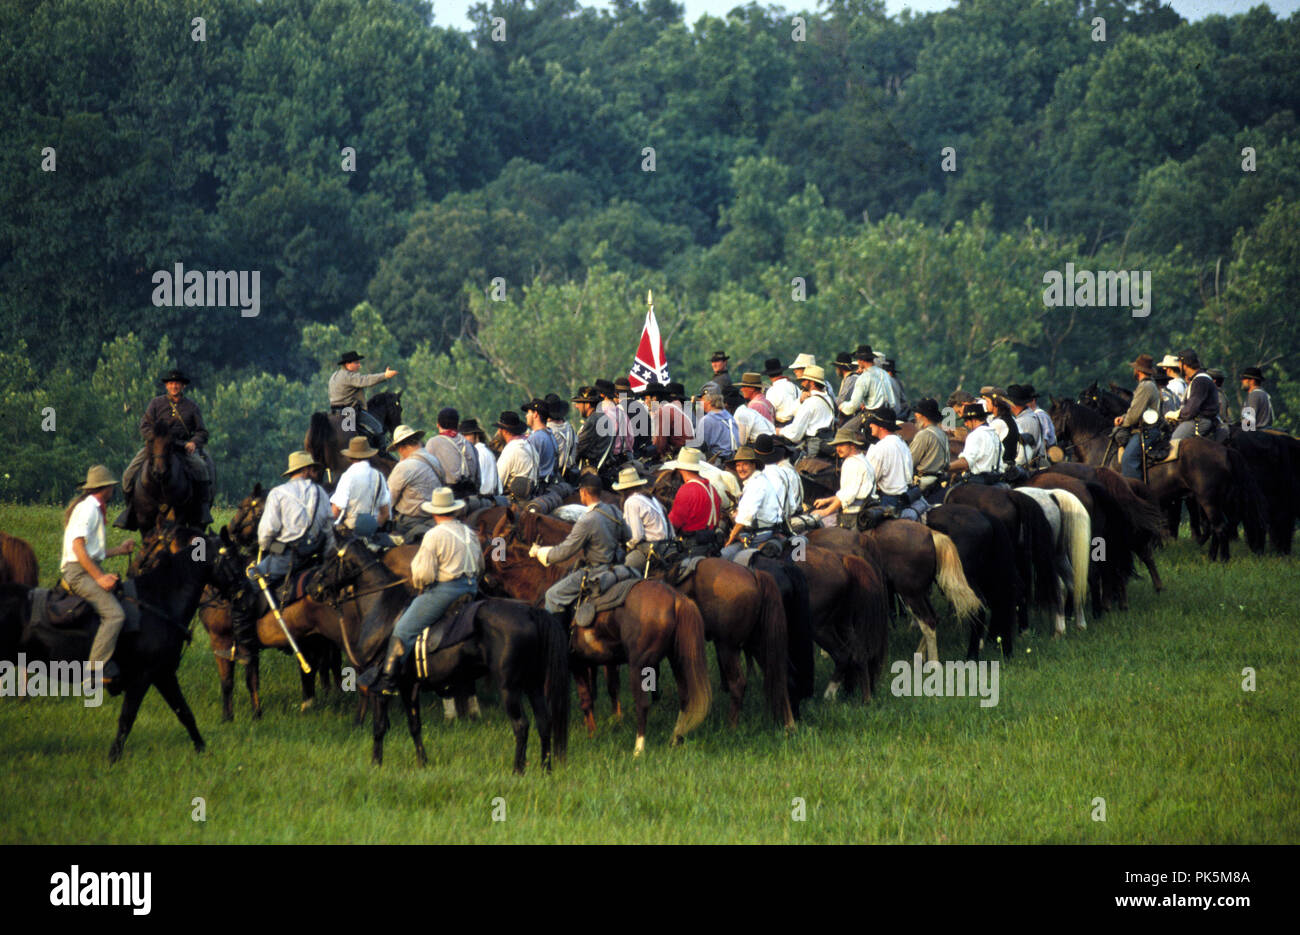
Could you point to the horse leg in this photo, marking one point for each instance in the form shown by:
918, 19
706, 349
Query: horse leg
253, 678
1147, 554
611, 687
226, 673
170, 689
131, 699
542, 715
411, 695
641, 700
361, 710
379, 714
584, 677
308, 688
733, 679
461, 708
512, 701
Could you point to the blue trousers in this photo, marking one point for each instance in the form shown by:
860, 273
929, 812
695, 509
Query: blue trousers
429, 606
1132, 464
731, 551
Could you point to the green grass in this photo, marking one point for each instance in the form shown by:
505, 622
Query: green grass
1145, 709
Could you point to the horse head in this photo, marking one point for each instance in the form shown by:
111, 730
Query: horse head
243, 525
343, 568
1091, 396
387, 408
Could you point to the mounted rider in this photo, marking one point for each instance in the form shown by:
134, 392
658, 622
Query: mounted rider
697, 506
891, 461
456, 454
1031, 453
542, 441
759, 513
982, 454
489, 484
361, 501
814, 419
517, 465
1131, 430
596, 537
347, 396
647, 523
1257, 400
1199, 414
413, 479
929, 446
857, 481
177, 413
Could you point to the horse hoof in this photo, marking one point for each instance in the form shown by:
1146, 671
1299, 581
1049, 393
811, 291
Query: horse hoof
306, 706
200, 747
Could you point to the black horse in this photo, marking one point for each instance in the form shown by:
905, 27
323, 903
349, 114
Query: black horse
326, 437
164, 491
167, 596
523, 648
988, 559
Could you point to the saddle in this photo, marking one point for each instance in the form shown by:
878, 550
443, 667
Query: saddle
60, 610
451, 629
605, 591
1166, 449
873, 516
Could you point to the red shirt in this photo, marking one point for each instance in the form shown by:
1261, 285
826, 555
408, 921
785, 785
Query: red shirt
693, 507
763, 407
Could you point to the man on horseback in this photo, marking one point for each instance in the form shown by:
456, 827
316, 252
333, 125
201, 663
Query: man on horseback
1030, 454
83, 552
596, 436
720, 380
774, 451
412, 481
174, 413
1044, 420
361, 501
717, 432
1257, 400
456, 455
596, 537
1176, 387
815, 417
1199, 414
346, 387
750, 422
982, 454
782, 394
759, 512
751, 388
446, 567
857, 481
517, 465
566, 439
489, 482
1131, 431
929, 446
697, 507
646, 521
296, 526
891, 461
542, 441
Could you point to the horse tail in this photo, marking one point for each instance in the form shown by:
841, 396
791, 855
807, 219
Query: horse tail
555, 667
318, 435
689, 665
869, 620
952, 579
772, 630
1042, 550
18, 562
1248, 501
1117, 567
1076, 530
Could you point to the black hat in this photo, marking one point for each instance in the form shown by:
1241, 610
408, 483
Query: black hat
1016, 393
556, 408
764, 445
536, 404
511, 422
864, 352
928, 408
843, 361
732, 396
772, 367
654, 390
717, 356
174, 374
623, 384
1188, 357
973, 411
1030, 392
883, 417
676, 390
585, 394
350, 357
606, 388
470, 427
1254, 373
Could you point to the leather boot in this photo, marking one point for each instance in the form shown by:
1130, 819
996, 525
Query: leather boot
387, 683
244, 624
203, 491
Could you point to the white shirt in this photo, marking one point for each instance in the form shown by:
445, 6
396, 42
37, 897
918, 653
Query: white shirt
1049, 430
86, 522
891, 460
814, 413
983, 450
1029, 425
489, 483
784, 397
871, 391
646, 519
752, 424
758, 503
788, 487
518, 459
857, 482
361, 489
1178, 388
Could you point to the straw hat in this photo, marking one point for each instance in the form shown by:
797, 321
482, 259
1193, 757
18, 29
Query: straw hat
299, 460
802, 361
1169, 360
442, 501
98, 476
404, 433
628, 477
847, 437
745, 453
359, 449
688, 459
814, 373
752, 380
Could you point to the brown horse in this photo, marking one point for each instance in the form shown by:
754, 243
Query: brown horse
742, 612
1215, 476
163, 489
655, 622
912, 558
18, 563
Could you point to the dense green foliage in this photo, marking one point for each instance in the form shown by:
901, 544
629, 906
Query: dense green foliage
1145, 709
525, 159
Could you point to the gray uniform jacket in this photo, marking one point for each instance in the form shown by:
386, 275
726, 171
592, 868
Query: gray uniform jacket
596, 536
1146, 396
1263, 406
346, 387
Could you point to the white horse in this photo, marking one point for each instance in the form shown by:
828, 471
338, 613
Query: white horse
1072, 532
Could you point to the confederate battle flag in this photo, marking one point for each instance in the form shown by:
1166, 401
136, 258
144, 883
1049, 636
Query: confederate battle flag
650, 365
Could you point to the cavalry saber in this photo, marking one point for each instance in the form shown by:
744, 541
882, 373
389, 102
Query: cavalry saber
261, 583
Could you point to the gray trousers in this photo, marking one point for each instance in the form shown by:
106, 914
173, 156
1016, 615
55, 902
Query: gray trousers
565, 591
1189, 428
111, 615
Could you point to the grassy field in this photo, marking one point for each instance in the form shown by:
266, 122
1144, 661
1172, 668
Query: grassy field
1145, 710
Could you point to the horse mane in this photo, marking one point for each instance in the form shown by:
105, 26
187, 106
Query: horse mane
1082, 417
18, 562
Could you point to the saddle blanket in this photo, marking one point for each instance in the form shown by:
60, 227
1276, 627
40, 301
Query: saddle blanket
611, 587
1171, 456
59, 609
679, 572
453, 628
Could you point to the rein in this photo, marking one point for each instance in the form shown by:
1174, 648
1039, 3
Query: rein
353, 595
